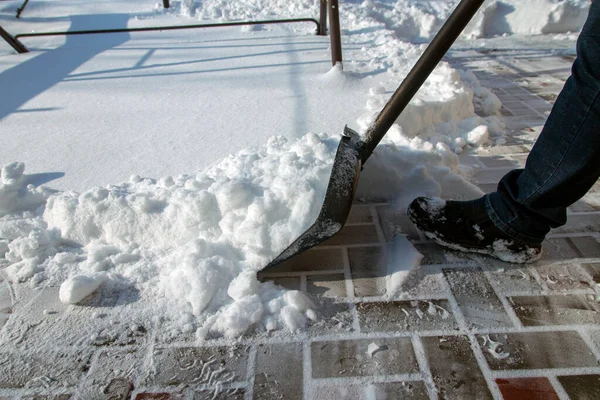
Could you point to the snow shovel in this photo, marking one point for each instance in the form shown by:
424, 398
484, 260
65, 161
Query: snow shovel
352, 152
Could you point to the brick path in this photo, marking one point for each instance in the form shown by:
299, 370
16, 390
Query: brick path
464, 327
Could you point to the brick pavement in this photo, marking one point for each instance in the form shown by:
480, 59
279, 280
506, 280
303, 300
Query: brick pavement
463, 327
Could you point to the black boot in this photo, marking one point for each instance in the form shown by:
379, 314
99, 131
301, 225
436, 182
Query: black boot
465, 226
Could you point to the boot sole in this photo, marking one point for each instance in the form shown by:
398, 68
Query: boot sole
524, 257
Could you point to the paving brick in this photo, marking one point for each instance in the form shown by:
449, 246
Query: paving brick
112, 375
412, 390
594, 335
316, 259
527, 388
499, 161
520, 159
472, 160
487, 187
557, 249
197, 366
225, 394
512, 278
334, 317
476, 298
580, 223
521, 122
396, 316
535, 350
159, 396
5, 298
586, 246
581, 206
327, 285
42, 368
581, 387
571, 247
47, 319
368, 270
334, 359
556, 310
491, 176
278, 372
288, 282
360, 214
454, 368
436, 254
3, 320
562, 277
593, 269
26, 327
363, 234
395, 222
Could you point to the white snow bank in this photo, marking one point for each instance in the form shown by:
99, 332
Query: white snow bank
528, 17
193, 241
192, 244
410, 19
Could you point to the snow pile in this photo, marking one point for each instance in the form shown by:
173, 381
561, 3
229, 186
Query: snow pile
411, 20
195, 242
15, 194
192, 244
529, 18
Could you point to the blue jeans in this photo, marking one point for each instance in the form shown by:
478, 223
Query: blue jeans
564, 163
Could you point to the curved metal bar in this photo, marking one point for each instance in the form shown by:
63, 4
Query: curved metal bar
171, 28
13, 42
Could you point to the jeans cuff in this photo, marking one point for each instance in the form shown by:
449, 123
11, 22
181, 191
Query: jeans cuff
506, 228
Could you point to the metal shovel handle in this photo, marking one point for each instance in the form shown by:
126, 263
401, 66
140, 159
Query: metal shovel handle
430, 58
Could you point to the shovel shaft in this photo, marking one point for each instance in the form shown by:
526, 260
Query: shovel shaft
436, 50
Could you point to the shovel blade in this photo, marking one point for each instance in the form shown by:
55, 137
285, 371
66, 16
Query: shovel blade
338, 200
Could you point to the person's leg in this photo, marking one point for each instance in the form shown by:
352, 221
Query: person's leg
565, 161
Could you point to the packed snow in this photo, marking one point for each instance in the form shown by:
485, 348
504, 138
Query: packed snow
191, 240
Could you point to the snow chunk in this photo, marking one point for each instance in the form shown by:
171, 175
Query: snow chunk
478, 136
78, 287
372, 349
15, 194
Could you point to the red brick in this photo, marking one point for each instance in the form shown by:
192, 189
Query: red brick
527, 388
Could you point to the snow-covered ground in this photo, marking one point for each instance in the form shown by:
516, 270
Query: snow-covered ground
181, 162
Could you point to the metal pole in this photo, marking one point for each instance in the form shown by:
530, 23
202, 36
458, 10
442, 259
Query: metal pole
334, 32
20, 9
434, 53
323, 19
166, 4
18, 46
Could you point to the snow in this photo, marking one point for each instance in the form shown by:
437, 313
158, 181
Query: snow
181, 163
403, 258
77, 287
372, 349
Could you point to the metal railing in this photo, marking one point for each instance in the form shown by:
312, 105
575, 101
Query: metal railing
169, 28
325, 5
